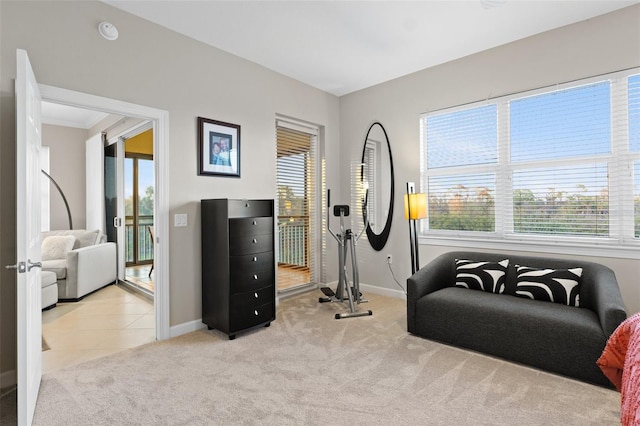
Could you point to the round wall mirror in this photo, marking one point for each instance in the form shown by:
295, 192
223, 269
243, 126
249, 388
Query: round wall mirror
378, 183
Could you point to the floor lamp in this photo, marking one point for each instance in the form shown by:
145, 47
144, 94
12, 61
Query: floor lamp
66, 204
415, 208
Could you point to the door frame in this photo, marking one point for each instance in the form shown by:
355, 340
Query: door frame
316, 217
119, 140
160, 120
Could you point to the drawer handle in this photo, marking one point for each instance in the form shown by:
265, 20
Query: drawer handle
255, 277
246, 205
254, 241
255, 259
256, 295
255, 312
255, 223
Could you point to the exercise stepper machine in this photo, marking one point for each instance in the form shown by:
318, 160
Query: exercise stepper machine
344, 290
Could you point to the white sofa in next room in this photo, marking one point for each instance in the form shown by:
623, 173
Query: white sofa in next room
82, 260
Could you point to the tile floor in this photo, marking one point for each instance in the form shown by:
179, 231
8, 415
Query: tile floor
105, 322
139, 275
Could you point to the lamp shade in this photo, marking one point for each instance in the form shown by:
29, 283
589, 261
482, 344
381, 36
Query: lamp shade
417, 204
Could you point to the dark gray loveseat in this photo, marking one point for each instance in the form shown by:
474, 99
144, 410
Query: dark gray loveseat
562, 339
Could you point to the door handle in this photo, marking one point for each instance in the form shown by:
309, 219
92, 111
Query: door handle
32, 265
21, 267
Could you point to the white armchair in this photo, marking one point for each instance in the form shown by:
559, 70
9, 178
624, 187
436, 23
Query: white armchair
82, 260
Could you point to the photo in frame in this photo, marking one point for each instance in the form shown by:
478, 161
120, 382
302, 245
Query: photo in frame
218, 148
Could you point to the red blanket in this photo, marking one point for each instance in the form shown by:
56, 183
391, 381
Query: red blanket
620, 362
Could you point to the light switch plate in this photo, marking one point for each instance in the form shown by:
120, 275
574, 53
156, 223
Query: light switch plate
180, 220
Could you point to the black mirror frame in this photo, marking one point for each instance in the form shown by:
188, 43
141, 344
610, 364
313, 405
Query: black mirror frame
378, 241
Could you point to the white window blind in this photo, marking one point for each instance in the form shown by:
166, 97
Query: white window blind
634, 113
547, 131
369, 170
296, 179
463, 138
559, 165
462, 155
636, 198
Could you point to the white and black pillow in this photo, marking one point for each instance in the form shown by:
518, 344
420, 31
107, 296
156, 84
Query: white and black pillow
551, 285
479, 275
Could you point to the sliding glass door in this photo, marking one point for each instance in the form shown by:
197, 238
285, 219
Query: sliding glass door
297, 225
139, 180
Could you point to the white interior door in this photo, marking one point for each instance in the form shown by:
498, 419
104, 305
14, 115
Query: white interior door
29, 300
95, 183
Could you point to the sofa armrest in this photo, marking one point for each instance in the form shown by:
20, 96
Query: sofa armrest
431, 277
602, 295
89, 268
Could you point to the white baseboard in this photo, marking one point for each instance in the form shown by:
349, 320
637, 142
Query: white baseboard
186, 327
8, 379
389, 292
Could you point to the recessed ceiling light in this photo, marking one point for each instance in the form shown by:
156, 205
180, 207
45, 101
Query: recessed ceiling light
108, 30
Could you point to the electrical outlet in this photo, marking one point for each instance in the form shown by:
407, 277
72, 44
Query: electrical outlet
389, 259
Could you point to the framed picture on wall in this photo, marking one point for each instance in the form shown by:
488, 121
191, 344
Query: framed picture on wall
218, 148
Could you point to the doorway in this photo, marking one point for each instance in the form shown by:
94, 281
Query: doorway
112, 318
296, 204
159, 120
138, 211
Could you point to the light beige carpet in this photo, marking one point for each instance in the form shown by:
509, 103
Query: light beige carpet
310, 369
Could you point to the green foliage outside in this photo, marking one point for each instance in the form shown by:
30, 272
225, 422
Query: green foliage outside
145, 208
559, 212
463, 209
553, 213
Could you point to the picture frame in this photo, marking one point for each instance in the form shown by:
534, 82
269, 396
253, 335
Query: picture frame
218, 148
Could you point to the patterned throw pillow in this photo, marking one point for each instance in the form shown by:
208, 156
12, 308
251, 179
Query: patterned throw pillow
551, 285
485, 276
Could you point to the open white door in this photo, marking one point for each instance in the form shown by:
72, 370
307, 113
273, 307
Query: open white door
29, 309
95, 183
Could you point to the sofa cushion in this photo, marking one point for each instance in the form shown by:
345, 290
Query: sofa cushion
87, 238
58, 267
550, 285
481, 275
83, 237
47, 278
57, 246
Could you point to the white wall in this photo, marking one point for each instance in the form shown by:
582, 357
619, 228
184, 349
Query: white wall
154, 67
67, 167
597, 46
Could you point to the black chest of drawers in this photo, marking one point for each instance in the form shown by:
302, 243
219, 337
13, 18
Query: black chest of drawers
238, 265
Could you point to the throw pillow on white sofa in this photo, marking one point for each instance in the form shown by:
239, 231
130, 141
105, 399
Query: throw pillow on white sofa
57, 246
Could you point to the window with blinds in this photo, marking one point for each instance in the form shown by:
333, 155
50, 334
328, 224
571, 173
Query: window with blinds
462, 152
560, 164
295, 205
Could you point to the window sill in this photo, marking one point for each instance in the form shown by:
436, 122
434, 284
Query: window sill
593, 249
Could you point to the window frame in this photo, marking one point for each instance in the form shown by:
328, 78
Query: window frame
621, 242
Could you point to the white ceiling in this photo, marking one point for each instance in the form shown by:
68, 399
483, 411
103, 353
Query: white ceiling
343, 46
68, 116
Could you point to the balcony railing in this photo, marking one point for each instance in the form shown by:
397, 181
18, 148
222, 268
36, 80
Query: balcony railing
144, 244
293, 241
